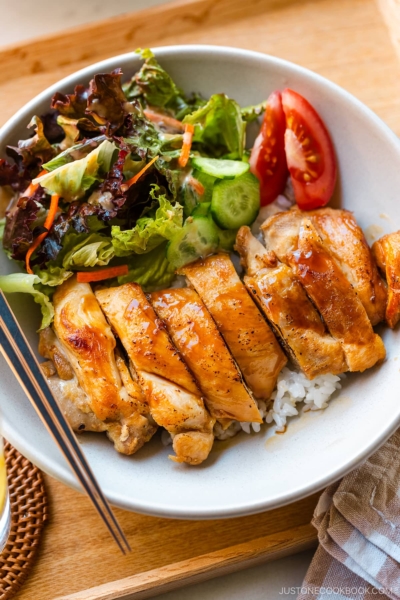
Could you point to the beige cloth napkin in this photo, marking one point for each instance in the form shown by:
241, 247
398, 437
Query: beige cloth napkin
358, 523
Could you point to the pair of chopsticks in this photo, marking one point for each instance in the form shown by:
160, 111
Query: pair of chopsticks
21, 360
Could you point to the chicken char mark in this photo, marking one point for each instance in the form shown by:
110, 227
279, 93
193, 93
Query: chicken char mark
107, 391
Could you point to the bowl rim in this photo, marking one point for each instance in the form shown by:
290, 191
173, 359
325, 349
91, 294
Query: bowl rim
62, 472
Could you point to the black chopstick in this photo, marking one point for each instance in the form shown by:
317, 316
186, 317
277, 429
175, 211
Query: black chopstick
22, 361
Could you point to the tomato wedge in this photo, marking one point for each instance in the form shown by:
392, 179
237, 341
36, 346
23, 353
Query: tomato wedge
268, 159
309, 152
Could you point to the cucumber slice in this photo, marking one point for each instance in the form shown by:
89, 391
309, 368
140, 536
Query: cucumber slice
220, 168
236, 203
227, 238
197, 238
202, 209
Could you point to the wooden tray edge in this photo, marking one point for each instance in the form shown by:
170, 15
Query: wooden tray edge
202, 568
95, 27
124, 33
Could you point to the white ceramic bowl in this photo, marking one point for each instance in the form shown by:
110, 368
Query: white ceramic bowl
250, 473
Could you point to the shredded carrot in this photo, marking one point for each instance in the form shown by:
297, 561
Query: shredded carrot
90, 276
196, 185
31, 189
160, 118
187, 144
125, 186
51, 215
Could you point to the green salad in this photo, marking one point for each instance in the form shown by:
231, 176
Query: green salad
125, 182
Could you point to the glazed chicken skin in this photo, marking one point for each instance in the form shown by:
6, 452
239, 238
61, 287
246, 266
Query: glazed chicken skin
244, 329
287, 307
111, 394
345, 240
171, 392
335, 299
64, 384
386, 251
196, 336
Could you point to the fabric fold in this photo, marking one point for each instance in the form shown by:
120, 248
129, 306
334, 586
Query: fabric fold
358, 523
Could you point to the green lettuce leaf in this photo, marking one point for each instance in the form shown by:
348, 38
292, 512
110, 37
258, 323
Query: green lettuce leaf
219, 127
155, 87
75, 152
91, 251
183, 105
72, 180
24, 283
2, 227
152, 270
142, 137
52, 276
152, 82
131, 167
150, 231
251, 113
95, 224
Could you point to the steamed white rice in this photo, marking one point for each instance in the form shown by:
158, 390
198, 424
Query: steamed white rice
293, 392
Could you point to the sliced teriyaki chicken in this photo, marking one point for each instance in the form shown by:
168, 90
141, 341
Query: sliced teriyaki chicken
344, 239
387, 254
244, 329
108, 390
64, 384
196, 336
171, 392
336, 300
287, 307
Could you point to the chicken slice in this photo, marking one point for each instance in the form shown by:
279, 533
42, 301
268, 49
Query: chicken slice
64, 385
51, 348
281, 232
192, 447
75, 404
387, 254
336, 300
287, 307
113, 397
344, 239
196, 336
170, 390
244, 329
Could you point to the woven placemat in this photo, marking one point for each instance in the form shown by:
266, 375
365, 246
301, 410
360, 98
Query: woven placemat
28, 514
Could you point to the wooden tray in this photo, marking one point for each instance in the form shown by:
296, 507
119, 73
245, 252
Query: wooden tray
344, 40
79, 561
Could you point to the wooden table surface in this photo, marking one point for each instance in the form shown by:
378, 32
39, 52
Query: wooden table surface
347, 41
77, 553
